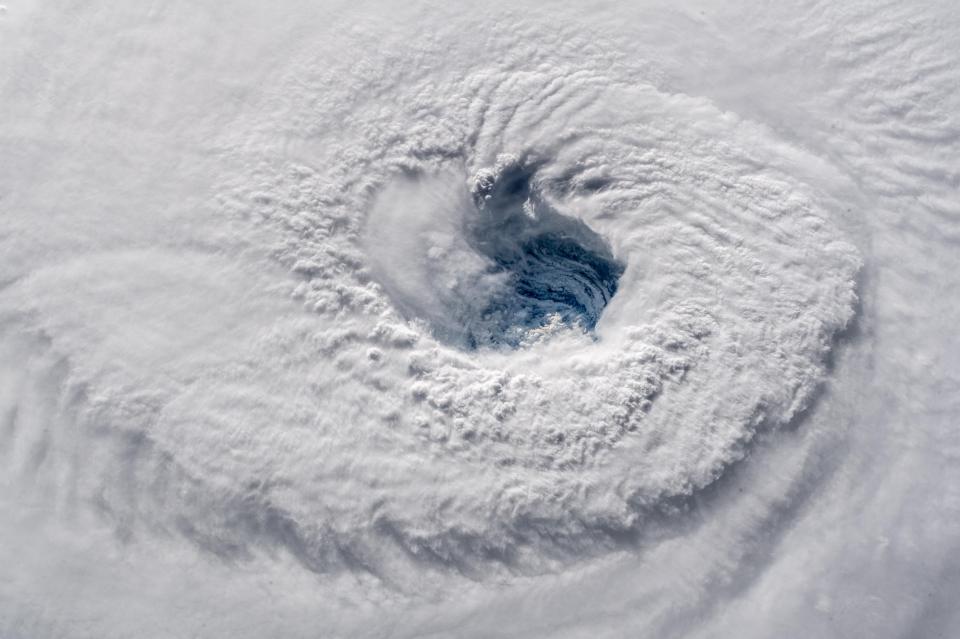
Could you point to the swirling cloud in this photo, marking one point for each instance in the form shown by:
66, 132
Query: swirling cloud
403, 319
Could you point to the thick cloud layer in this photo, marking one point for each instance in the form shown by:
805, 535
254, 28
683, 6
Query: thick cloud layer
375, 321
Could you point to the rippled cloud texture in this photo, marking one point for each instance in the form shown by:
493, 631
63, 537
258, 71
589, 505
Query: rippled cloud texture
368, 320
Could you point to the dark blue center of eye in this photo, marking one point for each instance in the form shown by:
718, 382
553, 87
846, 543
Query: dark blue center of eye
555, 266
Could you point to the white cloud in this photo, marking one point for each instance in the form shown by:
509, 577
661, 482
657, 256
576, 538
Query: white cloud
236, 245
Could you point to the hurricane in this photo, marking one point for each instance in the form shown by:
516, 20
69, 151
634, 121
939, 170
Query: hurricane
369, 319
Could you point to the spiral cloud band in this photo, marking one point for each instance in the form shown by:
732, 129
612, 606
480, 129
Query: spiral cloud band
324, 319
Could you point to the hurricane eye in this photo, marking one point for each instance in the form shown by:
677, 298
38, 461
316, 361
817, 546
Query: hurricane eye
493, 266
